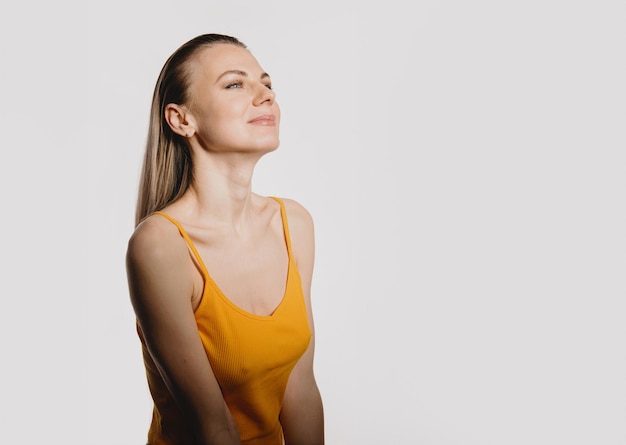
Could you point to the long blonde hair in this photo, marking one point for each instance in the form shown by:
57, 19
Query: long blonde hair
167, 167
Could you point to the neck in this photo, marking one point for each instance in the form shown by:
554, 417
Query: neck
221, 189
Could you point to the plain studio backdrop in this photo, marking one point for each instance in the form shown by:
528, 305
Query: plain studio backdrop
463, 162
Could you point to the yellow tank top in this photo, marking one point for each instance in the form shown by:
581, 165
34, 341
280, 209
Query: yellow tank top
251, 355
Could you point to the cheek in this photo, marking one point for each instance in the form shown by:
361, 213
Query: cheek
225, 128
219, 119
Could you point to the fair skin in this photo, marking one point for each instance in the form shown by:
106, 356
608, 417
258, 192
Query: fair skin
230, 123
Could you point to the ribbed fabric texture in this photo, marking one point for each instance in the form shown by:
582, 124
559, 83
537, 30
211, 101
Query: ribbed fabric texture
251, 355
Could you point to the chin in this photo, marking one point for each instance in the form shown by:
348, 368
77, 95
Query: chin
268, 146
271, 149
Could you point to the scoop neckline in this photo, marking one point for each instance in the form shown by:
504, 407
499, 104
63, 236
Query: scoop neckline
208, 279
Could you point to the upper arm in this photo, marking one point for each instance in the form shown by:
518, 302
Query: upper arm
303, 244
160, 284
302, 234
302, 415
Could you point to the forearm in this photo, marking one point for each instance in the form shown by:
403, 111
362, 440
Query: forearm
224, 437
216, 427
303, 420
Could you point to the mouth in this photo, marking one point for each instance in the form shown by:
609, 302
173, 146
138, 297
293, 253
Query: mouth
264, 119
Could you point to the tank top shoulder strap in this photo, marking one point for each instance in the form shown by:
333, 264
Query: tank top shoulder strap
283, 215
187, 240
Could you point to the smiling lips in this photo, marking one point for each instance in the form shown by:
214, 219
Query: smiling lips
264, 119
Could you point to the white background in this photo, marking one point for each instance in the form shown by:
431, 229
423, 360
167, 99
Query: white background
463, 162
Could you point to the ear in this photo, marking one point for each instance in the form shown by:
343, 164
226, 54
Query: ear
177, 119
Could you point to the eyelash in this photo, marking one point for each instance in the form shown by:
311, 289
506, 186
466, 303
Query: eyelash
239, 84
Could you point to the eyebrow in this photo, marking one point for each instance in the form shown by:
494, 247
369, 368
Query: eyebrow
239, 73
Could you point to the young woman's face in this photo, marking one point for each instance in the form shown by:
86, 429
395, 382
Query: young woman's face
232, 103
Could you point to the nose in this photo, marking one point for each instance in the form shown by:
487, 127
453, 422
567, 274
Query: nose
264, 94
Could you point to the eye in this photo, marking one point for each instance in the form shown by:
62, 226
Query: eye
268, 86
237, 84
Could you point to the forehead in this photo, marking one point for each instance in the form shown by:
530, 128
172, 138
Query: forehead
217, 59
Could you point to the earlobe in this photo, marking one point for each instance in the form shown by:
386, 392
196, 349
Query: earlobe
176, 118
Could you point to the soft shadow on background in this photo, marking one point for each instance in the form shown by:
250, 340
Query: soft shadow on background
463, 162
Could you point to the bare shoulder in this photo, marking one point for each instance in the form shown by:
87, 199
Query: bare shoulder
301, 230
157, 264
154, 239
300, 219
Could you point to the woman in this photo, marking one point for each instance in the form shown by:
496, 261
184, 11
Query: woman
220, 277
